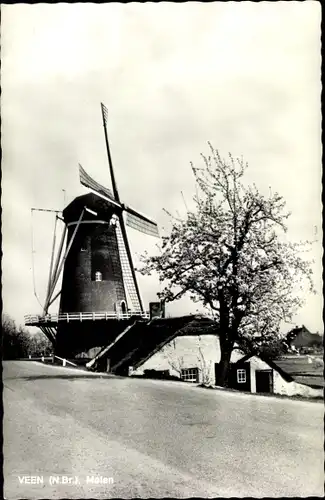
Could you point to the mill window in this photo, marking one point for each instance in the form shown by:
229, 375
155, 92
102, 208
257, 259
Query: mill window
98, 276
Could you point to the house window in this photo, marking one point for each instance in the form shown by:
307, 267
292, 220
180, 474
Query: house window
190, 375
98, 276
241, 376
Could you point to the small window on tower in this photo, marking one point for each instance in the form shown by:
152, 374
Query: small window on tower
98, 276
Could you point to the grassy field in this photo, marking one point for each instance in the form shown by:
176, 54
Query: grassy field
304, 369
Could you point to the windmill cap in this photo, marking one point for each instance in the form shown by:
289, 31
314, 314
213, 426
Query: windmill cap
94, 206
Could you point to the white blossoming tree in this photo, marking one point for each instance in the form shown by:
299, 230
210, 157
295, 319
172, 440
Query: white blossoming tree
228, 254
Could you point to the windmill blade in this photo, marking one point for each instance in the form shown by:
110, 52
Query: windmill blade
140, 222
128, 276
111, 170
90, 183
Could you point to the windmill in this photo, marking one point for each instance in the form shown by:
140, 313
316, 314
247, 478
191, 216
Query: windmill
99, 284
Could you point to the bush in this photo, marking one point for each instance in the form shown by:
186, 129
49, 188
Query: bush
274, 350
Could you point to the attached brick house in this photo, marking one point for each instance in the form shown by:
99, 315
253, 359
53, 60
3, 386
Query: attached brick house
195, 359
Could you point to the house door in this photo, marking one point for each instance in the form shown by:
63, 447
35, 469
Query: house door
264, 381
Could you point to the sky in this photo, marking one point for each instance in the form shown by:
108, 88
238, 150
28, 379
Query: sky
243, 75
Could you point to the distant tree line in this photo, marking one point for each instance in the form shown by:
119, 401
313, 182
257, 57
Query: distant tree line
18, 342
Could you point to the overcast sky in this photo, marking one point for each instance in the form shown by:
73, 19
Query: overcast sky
245, 76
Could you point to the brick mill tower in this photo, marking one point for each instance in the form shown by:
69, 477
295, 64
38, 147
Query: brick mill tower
99, 295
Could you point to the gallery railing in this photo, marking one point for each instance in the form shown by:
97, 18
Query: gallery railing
85, 316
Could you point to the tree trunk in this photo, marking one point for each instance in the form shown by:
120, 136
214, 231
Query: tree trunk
224, 365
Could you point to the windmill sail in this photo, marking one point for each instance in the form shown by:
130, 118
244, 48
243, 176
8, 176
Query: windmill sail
140, 222
89, 182
128, 279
